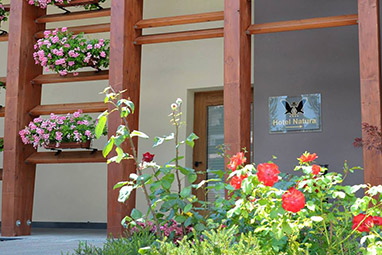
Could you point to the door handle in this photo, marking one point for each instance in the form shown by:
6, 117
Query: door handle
197, 163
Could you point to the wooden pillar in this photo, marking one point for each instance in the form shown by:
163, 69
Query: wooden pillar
125, 74
21, 97
237, 76
370, 73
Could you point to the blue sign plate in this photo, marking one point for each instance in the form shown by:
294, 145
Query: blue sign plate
295, 114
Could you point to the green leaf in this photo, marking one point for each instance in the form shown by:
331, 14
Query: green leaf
286, 228
136, 214
190, 140
199, 227
180, 219
101, 124
139, 134
187, 208
124, 193
108, 147
192, 178
120, 154
120, 184
159, 140
185, 192
167, 181
219, 186
310, 205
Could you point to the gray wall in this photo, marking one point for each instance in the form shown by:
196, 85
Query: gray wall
302, 62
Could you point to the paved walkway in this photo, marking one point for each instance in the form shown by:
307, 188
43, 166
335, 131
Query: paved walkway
52, 241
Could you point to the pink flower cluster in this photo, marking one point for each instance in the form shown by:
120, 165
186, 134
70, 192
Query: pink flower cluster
172, 228
58, 129
3, 13
63, 52
44, 3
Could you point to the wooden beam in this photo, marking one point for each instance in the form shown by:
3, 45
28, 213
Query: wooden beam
237, 76
91, 107
293, 25
73, 16
370, 74
19, 178
180, 20
82, 76
125, 74
88, 29
65, 157
180, 36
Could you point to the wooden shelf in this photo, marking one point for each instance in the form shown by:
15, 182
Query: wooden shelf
4, 38
92, 107
294, 25
66, 157
82, 76
180, 36
73, 16
88, 29
180, 20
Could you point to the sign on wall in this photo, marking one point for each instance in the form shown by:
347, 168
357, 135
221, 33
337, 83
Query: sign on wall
295, 114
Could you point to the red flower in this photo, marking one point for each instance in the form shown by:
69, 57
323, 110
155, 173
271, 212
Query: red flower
147, 157
268, 173
365, 225
307, 157
377, 220
236, 161
293, 200
236, 181
316, 169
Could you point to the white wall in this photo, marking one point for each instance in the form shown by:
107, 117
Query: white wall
77, 192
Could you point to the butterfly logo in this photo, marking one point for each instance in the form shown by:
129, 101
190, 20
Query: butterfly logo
294, 108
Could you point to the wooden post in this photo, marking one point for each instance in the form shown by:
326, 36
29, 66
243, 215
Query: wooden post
21, 97
125, 74
370, 73
237, 76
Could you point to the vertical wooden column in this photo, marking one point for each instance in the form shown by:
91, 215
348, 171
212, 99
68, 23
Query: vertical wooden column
125, 74
237, 76
21, 96
370, 73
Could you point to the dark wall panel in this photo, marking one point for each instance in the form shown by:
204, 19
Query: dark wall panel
313, 61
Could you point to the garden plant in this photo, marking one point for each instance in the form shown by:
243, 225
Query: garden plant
57, 130
63, 52
265, 211
44, 3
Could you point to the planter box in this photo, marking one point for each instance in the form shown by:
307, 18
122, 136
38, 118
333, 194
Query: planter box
70, 145
78, 3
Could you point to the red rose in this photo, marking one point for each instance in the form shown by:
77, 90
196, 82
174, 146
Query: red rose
237, 180
268, 173
147, 157
293, 200
365, 225
316, 169
307, 157
377, 220
236, 161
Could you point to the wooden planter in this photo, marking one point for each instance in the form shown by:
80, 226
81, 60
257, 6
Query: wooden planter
70, 145
78, 3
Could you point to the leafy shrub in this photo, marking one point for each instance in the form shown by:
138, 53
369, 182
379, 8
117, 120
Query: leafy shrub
125, 246
3, 14
44, 3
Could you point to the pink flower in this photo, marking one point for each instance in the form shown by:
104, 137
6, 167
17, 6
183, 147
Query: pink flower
60, 61
103, 54
88, 133
64, 29
59, 136
71, 63
63, 73
76, 114
89, 47
75, 74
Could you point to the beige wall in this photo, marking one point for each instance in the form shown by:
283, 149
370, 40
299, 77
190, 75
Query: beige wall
77, 192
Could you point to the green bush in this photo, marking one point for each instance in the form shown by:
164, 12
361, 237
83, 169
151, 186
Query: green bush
213, 242
125, 246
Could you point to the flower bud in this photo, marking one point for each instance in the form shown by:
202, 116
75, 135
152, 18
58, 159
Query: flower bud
179, 101
174, 106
